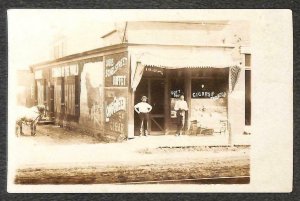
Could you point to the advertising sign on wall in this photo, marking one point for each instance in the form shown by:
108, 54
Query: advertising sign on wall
116, 112
116, 70
91, 95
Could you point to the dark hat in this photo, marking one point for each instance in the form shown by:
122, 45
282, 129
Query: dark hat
144, 97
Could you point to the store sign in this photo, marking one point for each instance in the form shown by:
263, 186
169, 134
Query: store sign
203, 94
116, 70
154, 71
176, 93
116, 111
118, 104
112, 68
208, 94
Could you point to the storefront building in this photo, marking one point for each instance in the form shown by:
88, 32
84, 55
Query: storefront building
96, 90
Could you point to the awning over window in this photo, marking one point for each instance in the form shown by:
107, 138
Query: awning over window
178, 58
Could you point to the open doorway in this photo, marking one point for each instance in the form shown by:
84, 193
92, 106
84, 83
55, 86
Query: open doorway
153, 88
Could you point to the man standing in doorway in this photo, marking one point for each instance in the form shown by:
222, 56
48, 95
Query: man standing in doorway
143, 109
180, 107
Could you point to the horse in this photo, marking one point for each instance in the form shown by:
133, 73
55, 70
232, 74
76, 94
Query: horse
29, 116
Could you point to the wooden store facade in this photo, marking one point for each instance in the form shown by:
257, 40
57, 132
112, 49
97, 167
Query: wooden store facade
96, 90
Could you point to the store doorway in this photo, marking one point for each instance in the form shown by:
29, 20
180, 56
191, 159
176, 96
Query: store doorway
154, 89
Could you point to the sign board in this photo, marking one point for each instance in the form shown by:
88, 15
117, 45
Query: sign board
154, 71
116, 112
116, 70
91, 95
209, 88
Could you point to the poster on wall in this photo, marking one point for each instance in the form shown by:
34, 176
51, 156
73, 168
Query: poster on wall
91, 95
116, 70
116, 112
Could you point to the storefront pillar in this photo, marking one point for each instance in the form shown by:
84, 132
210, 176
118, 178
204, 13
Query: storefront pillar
188, 84
130, 114
236, 109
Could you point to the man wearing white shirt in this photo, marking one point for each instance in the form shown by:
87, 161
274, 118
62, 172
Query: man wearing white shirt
180, 107
143, 109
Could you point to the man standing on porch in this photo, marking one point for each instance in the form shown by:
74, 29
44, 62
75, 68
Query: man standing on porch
143, 109
180, 107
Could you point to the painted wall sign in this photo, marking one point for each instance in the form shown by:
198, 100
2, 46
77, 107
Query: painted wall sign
203, 94
116, 70
116, 112
118, 104
209, 88
91, 95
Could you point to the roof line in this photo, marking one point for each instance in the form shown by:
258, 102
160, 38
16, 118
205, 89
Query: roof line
81, 54
119, 46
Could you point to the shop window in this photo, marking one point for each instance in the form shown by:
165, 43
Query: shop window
209, 101
248, 60
248, 97
209, 88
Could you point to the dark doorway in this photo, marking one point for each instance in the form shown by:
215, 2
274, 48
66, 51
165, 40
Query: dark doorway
153, 88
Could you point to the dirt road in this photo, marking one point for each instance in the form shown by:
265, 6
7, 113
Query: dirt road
55, 157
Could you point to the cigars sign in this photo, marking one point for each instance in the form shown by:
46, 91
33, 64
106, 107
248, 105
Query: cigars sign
116, 70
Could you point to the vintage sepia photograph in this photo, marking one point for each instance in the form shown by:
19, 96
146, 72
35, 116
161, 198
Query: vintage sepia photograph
99, 99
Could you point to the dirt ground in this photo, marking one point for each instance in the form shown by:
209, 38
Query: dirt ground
59, 156
50, 134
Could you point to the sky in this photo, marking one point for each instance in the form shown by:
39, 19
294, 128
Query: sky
31, 32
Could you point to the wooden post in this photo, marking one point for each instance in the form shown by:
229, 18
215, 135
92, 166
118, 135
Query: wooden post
188, 83
229, 112
167, 102
130, 114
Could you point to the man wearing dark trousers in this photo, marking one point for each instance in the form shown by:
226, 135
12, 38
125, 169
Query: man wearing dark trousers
143, 109
180, 108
